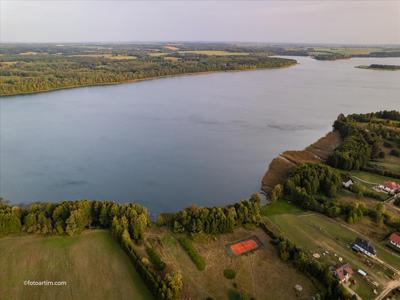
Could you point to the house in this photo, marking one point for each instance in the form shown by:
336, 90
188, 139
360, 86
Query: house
347, 184
394, 240
364, 246
391, 186
343, 273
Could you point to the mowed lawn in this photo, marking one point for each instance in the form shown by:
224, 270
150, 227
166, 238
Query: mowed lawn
311, 229
93, 265
372, 178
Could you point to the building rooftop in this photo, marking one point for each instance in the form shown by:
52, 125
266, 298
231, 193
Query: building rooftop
343, 271
395, 237
366, 245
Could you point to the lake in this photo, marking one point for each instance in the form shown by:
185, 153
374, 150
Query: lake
169, 143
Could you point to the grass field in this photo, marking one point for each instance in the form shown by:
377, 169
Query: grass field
317, 234
258, 274
390, 162
93, 265
280, 207
348, 51
373, 178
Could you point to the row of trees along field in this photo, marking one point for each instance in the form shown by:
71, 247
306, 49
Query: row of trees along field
213, 220
35, 73
163, 283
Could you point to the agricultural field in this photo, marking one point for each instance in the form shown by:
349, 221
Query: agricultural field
93, 265
258, 274
106, 55
215, 52
332, 241
348, 51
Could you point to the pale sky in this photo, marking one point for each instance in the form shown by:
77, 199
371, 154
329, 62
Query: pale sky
354, 22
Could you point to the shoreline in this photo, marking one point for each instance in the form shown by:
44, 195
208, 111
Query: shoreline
140, 80
280, 167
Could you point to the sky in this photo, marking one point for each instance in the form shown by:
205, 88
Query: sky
340, 21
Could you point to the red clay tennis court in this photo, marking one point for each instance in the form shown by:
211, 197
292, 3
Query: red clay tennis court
244, 246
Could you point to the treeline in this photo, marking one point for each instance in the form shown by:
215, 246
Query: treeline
371, 168
329, 55
213, 220
163, 284
72, 217
360, 190
389, 115
35, 73
289, 252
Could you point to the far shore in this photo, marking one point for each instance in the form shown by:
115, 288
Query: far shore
142, 79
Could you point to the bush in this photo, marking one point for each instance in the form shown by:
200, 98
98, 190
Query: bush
197, 259
155, 259
229, 274
395, 152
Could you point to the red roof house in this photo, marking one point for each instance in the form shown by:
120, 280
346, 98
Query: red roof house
394, 239
343, 272
392, 185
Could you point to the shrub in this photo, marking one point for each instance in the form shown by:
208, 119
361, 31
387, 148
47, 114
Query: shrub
197, 259
229, 274
155, 259
395, 152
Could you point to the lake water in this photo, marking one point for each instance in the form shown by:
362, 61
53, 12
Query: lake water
169, 143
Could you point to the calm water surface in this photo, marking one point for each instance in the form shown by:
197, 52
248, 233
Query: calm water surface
168, 143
